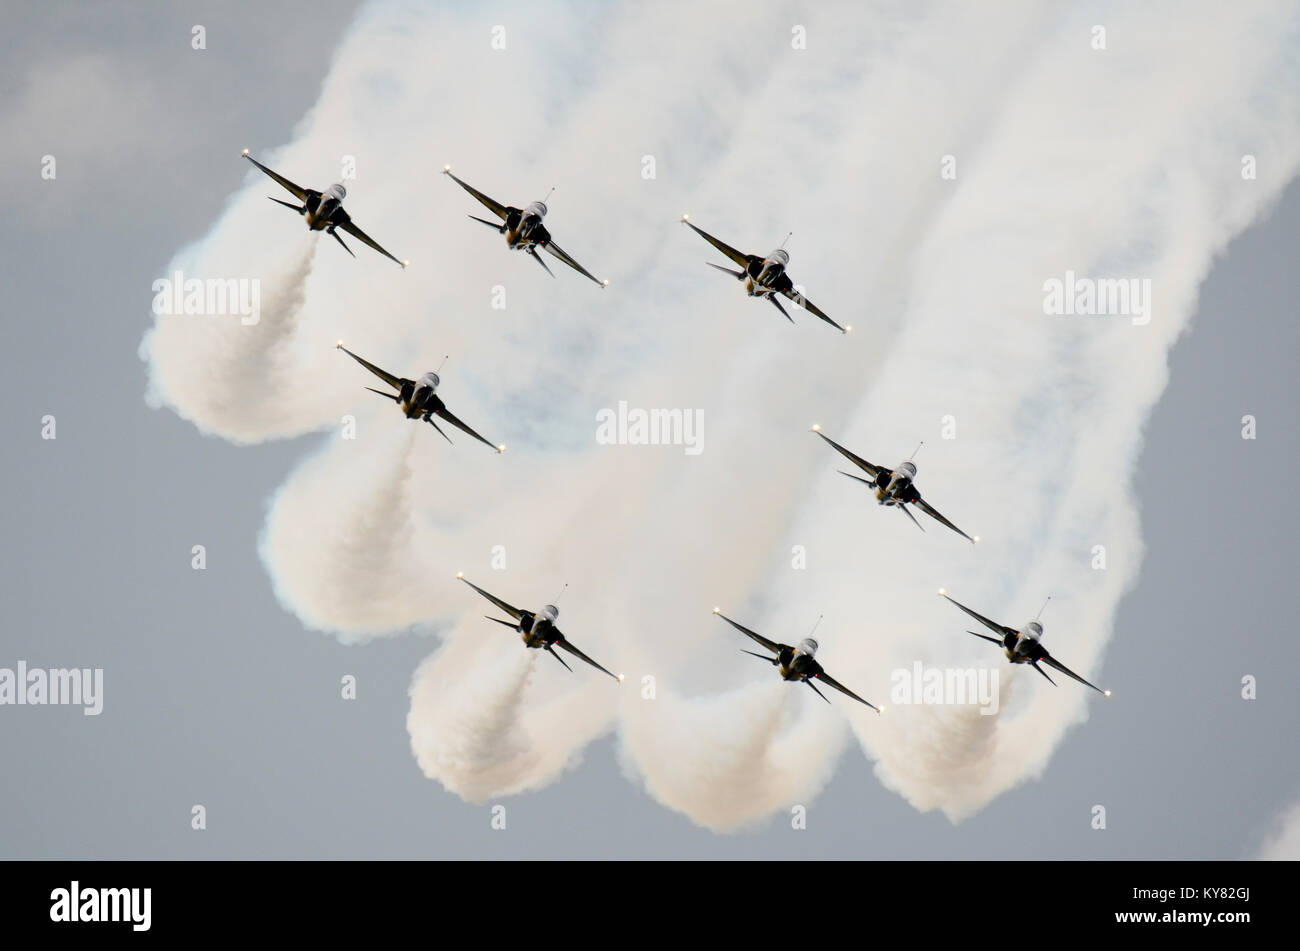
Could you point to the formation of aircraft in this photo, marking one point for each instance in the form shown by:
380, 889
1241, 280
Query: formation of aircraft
895, 488
796, 663
764, 277
538, 629
523, 228
1023, 646
323, 210
418, 399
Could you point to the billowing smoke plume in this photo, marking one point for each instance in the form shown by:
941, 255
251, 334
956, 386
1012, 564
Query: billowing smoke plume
940, 165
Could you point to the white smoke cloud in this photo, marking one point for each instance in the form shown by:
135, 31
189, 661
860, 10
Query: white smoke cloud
1120, 162
1283, 842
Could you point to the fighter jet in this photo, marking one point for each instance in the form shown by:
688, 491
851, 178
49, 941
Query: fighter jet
417, 398
538, 630
1023, 646
894, 487
523, 228
323, 210
795, 663
763, 277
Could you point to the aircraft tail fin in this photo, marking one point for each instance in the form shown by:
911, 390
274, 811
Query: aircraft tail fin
770, 660
298, 208
387, 396
497, 226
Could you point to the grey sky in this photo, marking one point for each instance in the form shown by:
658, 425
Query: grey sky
216, 695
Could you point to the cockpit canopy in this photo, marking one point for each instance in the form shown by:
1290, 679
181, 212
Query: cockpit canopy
808, 646
779, 256
431, 380
907, 470
1033, 629
550, 612
537, 208
336, 191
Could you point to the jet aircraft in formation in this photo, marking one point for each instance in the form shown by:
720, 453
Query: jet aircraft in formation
418, 399
523, 228
764, 277
894, 487
795, 663
1024, 646
323, 210
538, 629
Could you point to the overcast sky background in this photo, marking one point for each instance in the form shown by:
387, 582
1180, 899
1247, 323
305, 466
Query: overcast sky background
216, 694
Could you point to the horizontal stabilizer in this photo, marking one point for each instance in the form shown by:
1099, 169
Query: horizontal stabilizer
738, 275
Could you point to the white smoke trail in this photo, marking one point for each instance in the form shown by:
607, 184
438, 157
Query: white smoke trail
341, 536
1282, 842
481, 726
234, 375
1117, 162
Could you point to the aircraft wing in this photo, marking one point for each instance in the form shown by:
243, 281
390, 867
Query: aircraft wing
512, 611
934, 514
447, 415
728, 250
350, 227
1057, 665
498, 209
812, 308
396, 382
560, 253
563, 642
998, 628
871, 470
830, 681
773, 646
297, 190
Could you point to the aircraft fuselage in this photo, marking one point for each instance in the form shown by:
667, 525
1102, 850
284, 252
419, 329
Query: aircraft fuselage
796, 665
525, 231
763, 277
1019, 648
325, 210
537, 632
896, 488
